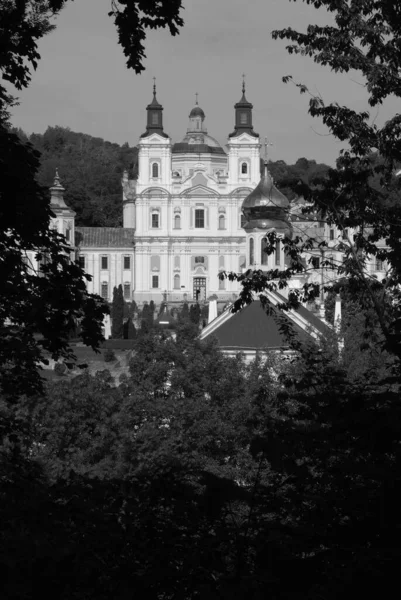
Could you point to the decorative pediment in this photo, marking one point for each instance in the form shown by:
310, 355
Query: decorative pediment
200, 271
244, 138
199, 179
155, 139
154, 192
199, 190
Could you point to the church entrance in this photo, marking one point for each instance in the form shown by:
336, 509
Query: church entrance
199, 289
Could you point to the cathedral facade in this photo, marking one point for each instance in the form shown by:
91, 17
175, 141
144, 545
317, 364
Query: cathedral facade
195, 210
182, 219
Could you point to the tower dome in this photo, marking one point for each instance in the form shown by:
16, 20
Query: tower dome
197, 112
266, 207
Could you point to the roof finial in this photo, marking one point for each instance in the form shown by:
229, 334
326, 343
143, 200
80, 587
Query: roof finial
57, 178
243, 83
267, 143
196, 98
154, 86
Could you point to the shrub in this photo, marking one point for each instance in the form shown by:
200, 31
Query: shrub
109, 355
60, 368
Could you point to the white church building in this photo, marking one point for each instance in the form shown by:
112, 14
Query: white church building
185, 219
182, 216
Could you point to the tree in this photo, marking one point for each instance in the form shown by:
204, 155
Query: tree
129, 329
117, 313
194, 313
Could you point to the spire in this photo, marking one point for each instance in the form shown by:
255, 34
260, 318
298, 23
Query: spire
57, 194
243, 115
155, 116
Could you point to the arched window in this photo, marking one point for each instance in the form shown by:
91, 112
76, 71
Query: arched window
155, 118
264, 255
222, 222
155, 170
177, 282
244, 168
251, 252
177, 222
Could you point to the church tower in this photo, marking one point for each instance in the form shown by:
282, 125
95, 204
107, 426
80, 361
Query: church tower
243, 146
154, 148
64, 218
265, 209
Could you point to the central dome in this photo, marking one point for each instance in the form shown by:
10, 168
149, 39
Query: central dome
198, 143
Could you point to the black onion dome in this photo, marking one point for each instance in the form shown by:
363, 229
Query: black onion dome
196, 112
266, 207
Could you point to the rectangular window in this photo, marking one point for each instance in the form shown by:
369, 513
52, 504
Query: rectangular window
199, 218
105, 263
199, 260
331, 234
155, 118
244, 118
315, 262
81, 261
155, 281
278, 253
127, 291
105, 291
155, 220
127, 262
379, 264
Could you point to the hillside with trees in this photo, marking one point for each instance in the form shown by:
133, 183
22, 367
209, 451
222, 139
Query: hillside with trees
90, 169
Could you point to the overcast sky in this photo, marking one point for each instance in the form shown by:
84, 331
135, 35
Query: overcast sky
82, 81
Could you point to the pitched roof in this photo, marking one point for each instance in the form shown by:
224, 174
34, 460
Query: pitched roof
253, 329
104, 237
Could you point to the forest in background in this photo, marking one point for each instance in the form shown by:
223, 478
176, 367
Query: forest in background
91, 169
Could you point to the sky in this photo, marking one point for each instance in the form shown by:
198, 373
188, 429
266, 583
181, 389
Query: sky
82, 81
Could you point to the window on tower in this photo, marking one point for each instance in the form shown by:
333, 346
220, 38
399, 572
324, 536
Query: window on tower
243, 118
177, 283
199, 218
155, 170
155, 118
244, 168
